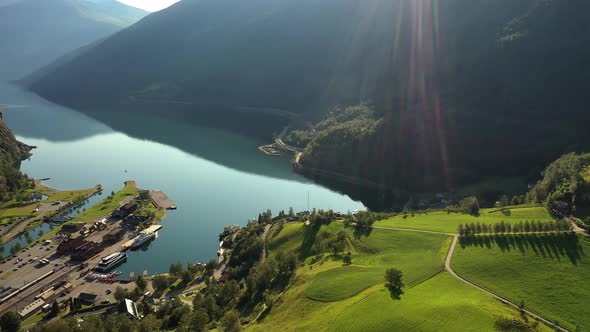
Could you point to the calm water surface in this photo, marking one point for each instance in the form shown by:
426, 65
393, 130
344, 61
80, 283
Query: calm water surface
214, 177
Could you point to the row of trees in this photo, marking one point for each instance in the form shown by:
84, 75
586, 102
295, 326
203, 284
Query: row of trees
521, 227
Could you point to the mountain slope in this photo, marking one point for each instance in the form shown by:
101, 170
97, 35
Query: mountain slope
12, 152
460, 89
35, 32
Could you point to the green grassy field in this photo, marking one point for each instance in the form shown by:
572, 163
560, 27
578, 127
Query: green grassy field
108, 205
286, 238
550, 273
418, 255
326, 295
442, 221
442, 303
343, 282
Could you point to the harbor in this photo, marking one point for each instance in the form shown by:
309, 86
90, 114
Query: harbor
80, 256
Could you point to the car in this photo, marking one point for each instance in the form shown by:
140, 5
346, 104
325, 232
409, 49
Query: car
105, 301
108, 291
15, 269
47, 249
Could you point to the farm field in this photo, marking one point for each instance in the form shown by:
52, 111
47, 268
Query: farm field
549, 273
441, 221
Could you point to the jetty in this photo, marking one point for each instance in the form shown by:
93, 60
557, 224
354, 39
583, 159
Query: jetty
151, 229
161, 201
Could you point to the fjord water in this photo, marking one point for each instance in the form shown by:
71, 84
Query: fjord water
215, 177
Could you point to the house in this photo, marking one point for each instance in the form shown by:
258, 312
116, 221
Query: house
144, 194
88, 298
114, 235
30, 309
128, 307
125, 210
134, 220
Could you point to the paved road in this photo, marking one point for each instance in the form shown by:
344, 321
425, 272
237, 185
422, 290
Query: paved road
449, 269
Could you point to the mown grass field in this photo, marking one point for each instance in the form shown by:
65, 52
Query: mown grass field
418, 255
441, 221
442, 303
326, 295
109, 204
286, 238
550, 273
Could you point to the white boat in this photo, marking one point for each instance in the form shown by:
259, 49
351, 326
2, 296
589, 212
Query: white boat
143, 238
109, 262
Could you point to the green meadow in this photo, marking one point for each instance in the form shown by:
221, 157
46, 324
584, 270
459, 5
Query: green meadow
328, 295
550, 273
441, 221
442, 303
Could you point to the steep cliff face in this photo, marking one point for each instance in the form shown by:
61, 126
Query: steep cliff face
12, 152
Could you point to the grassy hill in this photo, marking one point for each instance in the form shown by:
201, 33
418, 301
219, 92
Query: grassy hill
329, 296
549, 273
34, 33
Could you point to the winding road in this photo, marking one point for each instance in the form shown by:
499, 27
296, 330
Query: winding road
450, 270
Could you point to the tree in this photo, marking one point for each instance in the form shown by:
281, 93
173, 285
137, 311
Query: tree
187, 276
10, 322
231, 322
176, 269
504, 201
469, 205
141, 282
150, 324
291, 214
54, 310
16, 248
394, 280
347, 260
120, 294
160, 283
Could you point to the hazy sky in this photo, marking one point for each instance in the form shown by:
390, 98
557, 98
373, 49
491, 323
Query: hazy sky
149, 5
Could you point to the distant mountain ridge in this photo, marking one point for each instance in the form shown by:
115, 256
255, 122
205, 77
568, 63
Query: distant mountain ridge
35, 32
460, 89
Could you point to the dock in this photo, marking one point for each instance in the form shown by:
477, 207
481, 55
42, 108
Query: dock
161, 201
151, 229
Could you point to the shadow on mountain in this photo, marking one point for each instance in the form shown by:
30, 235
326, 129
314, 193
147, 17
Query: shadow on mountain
556, 246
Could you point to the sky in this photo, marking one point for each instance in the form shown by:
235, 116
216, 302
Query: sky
149, 5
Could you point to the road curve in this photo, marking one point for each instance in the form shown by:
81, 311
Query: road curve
450, 270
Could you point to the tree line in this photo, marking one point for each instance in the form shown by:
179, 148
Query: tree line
521, 227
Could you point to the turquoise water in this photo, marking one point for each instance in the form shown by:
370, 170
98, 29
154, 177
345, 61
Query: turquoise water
214, 177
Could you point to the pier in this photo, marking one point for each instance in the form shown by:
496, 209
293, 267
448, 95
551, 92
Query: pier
151, 229
161, 201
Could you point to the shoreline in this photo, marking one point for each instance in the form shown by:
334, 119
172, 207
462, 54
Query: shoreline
36, 221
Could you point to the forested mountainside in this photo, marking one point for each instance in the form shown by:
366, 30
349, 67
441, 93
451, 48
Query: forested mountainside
35, 32
12, 152
456, 89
